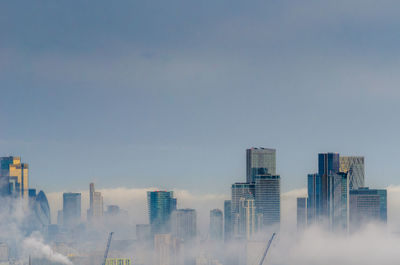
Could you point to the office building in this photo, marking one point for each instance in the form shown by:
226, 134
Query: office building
42, 209
216, 224
338, 194
95, 211
267, 198
328, 163
241, 190
160, 204
163, 249
314, 190
248, 219
227, 220
184, 224
354, 167
260, 161
71, 208
367, 205
301, 213
14, 177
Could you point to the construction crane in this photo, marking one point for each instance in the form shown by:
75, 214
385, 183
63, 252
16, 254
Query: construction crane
107, 248
266, 250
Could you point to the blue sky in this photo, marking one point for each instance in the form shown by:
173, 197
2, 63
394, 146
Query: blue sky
171, 93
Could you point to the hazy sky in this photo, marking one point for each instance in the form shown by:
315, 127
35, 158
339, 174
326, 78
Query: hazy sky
171, 93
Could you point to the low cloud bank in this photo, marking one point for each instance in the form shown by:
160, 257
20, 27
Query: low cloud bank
134, 201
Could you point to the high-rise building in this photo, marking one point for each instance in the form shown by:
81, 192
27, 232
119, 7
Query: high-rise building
227, 220
160, 206
301, 213
216, 224
268, 201
328, 163
71, 208
241, 190
42, 209
183, 224
248, 219
367, 205
338, 194
96, 208
260, 161
314, 190
354, 167
163, 249
14, 177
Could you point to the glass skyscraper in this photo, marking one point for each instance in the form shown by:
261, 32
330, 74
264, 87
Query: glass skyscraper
328, 163
314, 189
354, 166
268, 198
338, 194
227, 220
160, 204
367, 205
71, 208
216, 224
301, 213
260, 161
14, 177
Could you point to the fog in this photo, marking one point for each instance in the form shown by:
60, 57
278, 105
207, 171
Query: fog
373, 243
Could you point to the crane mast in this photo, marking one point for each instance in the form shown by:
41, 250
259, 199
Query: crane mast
266, 250
107, 248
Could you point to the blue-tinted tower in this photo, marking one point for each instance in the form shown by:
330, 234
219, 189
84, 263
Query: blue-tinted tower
160, 206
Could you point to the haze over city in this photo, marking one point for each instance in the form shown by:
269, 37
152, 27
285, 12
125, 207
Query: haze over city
199, 132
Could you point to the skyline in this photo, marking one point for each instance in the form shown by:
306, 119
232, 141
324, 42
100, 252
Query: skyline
186, 87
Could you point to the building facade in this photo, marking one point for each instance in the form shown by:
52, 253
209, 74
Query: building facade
268, 198
301, 213
227, 220
14, 177
328, 163
354, 167
160, 204
338, 201
216, 224
71, 208
184, 224
96, 208
260, 161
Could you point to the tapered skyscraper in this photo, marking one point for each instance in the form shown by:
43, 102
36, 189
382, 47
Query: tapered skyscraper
260, 161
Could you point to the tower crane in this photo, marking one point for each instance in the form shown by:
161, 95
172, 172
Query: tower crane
107, 248
266, 250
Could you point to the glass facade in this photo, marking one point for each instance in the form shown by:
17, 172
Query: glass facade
314, 189
216, 224
268, 192
184, 224
338, 194
71, 208
227, 220
260, 161
328, 163
354, 166
14, 177
160, 204
301, 213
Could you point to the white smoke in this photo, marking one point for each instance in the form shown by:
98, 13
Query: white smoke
36, 248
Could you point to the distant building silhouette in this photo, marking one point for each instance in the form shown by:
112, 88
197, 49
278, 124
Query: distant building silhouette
184, 224
216, 224
95, 211
71, 208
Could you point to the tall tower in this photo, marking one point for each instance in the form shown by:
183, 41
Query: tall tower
354, 167
160, 206
183, 224
14, 177
268, 198
71, 208
96, 208
328, 163
227, 220
260, 161
216, 224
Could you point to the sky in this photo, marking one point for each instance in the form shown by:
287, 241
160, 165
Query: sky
169, 94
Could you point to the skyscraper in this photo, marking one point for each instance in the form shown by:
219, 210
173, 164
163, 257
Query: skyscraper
227, 220
14, 177
354, 166
71, 208
42, 209
216, 224
268, 201
367, 205
248, 221
328, 163
260, 161
184, 224
160, 206
314, 190
338, 194
96, 208
241, 190
301, 213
